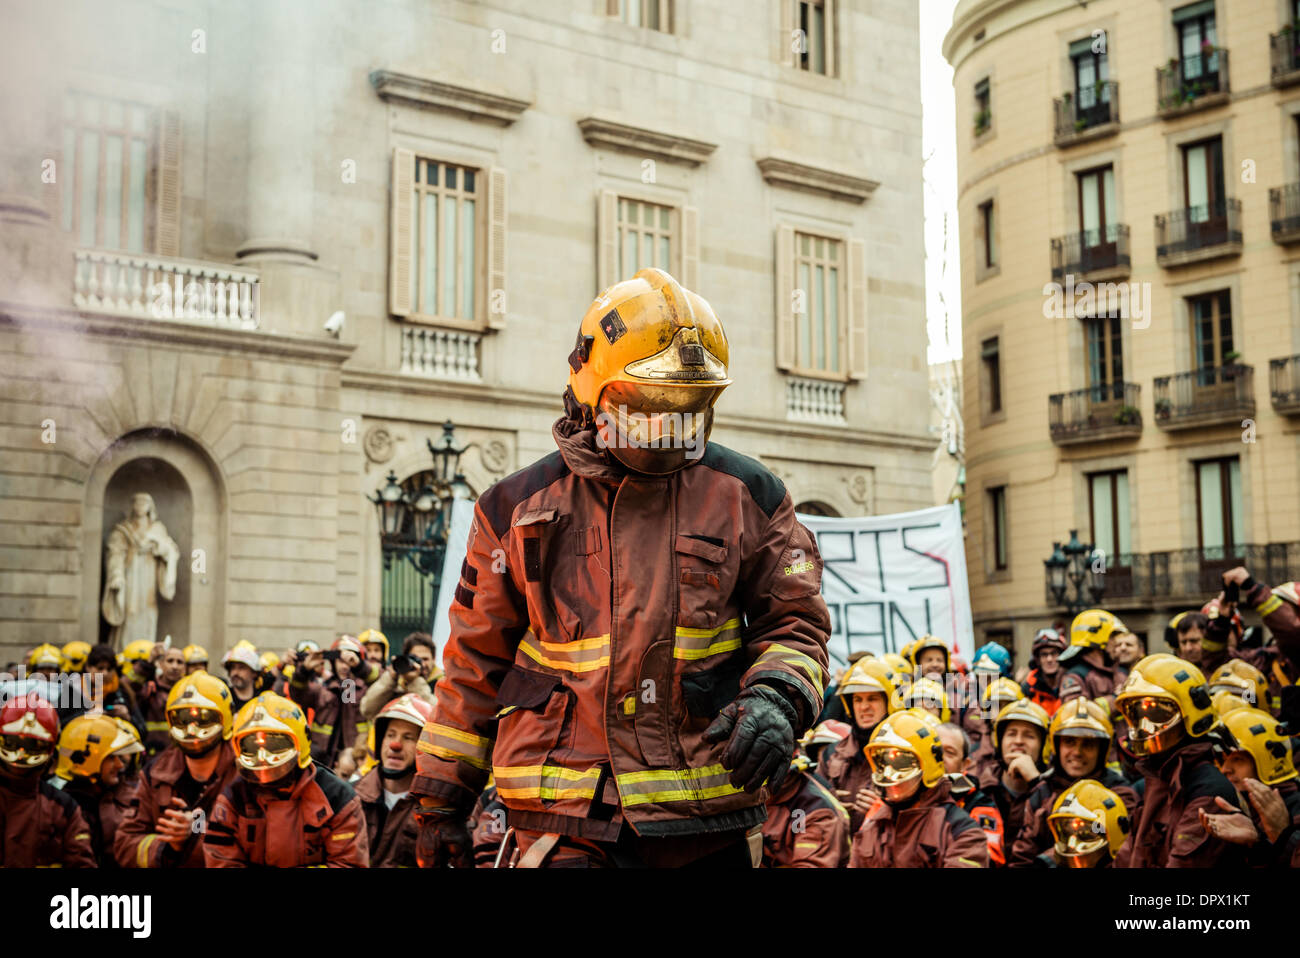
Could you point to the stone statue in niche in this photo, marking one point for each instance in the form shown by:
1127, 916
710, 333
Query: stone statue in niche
140, 566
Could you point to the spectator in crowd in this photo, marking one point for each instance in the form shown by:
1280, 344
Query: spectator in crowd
242, 668
92, 757
332, 702
384, 790
170, 670
407, 673
1191, 631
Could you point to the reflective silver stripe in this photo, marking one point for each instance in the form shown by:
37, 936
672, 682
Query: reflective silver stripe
674, 785
583, 655
693, 644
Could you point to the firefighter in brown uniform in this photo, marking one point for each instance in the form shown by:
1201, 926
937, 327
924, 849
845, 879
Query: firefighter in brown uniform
638, 635
1019, 733
179, 788
1077, 742
1088, 669
1279, 608
282, 810
978, 724
916, 824
153, 704
1166, 703
384, 791
1043, 683
806, 825
866, 692
40, 826
93, 751
1255, 754
1088, 824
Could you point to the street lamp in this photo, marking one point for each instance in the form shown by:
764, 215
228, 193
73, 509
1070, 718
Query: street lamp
1072, 565
446, 457
391, 503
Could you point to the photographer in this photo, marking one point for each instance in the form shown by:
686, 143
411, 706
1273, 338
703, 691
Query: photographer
408, 672
332, 702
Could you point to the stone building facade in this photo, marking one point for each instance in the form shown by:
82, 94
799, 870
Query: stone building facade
253, 255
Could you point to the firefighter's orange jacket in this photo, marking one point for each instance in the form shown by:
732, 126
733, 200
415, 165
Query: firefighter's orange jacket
601, 621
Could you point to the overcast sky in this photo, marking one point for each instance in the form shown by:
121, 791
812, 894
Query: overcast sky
939, 147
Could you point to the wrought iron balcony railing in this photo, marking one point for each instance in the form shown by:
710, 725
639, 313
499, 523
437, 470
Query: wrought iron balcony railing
1208, 396
1088, 254
1284, 55
1095, 414
1083, 114
1193, 82
1284, 384
1189, 576
1197, 233
1284, 213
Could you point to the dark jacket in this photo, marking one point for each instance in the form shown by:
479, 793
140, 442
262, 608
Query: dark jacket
806, 826
334, 712
1007, 807
137, 844
391, 833
103, 810
1037, 690
488, 827
1167, 833
1096, 682
42, 827
844, 768
1035, 837
933, 832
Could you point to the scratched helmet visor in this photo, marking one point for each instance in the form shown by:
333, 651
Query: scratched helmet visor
895, 771
1154, 723
654, 429
195, 730
23, 753
266, 757
1080, 842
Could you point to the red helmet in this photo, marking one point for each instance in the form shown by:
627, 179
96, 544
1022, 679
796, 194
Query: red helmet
29, 734
407, 708
1047, 639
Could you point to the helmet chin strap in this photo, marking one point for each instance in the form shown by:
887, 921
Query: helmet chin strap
400, 773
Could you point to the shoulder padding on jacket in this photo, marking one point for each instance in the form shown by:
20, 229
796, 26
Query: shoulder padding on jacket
337, 792
68, 803
498, 503
958, 818
1206, 781
766, 489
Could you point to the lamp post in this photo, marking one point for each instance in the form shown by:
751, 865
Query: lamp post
1073, 564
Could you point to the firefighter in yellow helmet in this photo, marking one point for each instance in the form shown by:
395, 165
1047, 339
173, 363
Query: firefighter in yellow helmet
1077, 742
901, 666
136, 664
282, 810
917, 823
1089, 672
1019, 735
1255, 753
74, 656
930, 656
93, 752
927, 694
45, 660
179, 788
1088, 824
196, 658
978, 723
1168, 714
865, 691
1243, 680
696, 576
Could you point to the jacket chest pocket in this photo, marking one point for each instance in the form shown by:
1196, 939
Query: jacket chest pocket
536, 706
704, 580
552, 555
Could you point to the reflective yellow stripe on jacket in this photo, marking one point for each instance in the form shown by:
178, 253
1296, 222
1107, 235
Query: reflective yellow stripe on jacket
776, 652
694, 644
551, 782
156, 726
142, 850
447, 742
584, 655
674, 785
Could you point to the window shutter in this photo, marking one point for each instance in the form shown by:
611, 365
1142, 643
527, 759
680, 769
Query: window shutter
857, 309
785, 359
607, 241
691, 248
167, 185
496, 248
1201, 9
400, 226
787, 31
831, 36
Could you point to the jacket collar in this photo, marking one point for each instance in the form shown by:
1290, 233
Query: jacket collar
369, 788
577, 444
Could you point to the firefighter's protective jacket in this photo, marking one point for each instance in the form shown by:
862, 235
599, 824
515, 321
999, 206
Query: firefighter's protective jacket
602, 620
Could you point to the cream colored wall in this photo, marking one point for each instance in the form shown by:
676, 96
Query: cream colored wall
1025, 45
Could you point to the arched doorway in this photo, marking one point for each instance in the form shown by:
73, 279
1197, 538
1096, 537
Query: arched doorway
814, 508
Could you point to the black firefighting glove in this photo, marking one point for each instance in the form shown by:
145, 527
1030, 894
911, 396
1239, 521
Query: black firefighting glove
444, 840
760, 723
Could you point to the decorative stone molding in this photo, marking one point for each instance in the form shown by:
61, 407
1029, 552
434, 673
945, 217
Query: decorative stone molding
657, 144
379, 444
426, 93
859, 487
793, 175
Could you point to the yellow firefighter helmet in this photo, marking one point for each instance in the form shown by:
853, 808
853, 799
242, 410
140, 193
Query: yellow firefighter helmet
74, 656
1092, 629
198, 712
926, 693
1243, 680
1225, 701
270, 739
89, 739
195, 655
650, 362
1263, 738
867, 675
1080, 718
905, 754
1163, 698
898, 663
1021, 710
928, 642
45, 656
1000, 692
1089, 822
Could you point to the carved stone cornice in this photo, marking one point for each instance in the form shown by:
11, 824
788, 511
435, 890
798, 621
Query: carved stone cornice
781, 171
656, 144
426, 93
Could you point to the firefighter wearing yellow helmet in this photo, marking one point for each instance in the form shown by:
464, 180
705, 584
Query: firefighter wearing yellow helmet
93, 755
1254, 751
927, 694
1077, 742
865, 692
196, 657
199, 713
906, 758
1242, 680
74, 656
1089, 671
1168, 713
317, 816
931, 656
1088, 823
45, 660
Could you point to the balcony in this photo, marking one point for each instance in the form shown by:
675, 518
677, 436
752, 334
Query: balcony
1193, 83
1088, 115
1095, 414
814, 400
1091, 256
173, 290
1284, 384
1186, 577
441, 353
1284, 213
1198, 233
1284, 54
1215, 395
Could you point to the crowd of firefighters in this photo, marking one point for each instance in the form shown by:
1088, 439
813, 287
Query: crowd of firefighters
1096, 754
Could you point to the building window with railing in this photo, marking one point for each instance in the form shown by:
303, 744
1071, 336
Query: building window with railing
1108, 509
650, 14
819, 328
983, 107
1200, 68
1105, 345
1091, 73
